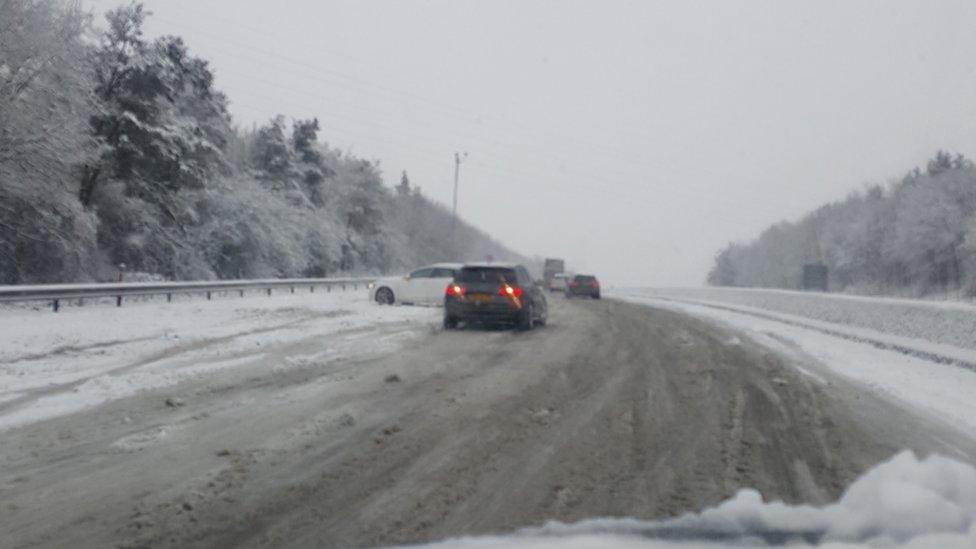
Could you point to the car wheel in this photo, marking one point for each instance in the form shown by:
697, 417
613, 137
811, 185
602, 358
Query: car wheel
450, 323
526, 320
596, 296
384, 296
543, 319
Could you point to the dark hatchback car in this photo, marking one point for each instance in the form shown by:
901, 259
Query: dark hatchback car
583, 285
496, 293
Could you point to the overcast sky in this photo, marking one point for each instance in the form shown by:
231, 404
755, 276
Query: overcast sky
633, 138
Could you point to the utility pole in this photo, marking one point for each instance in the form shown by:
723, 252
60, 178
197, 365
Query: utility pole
458, 158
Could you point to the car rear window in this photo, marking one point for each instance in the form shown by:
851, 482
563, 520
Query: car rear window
584, 278
486, 274
441, 272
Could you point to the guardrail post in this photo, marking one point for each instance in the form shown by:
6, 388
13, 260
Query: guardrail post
208, 296
57, 305
242, 293
311, 289
328, 288
292, 289
169, 298
343, 286
118, 299
269, 292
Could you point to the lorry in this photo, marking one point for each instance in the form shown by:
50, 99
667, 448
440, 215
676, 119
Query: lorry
549, 270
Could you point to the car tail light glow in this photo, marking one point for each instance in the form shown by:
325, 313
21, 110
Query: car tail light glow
455, 290
510, 291
596, 284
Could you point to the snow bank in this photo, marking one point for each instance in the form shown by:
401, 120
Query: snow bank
914, 346
903, 503
949, 323
942, 389
58, 363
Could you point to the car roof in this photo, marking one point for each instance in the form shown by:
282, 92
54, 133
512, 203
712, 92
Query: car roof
498, 264
441, 265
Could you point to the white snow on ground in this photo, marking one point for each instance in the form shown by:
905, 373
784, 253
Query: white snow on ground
58, 363
943, 390
915, 346
903, 503
947, 322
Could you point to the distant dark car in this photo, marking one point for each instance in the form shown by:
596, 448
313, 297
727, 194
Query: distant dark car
495, 293
583, 285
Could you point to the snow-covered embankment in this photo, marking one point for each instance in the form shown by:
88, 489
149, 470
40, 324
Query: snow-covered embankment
921, 353
55, 364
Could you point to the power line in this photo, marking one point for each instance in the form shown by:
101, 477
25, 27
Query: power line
461, 112
433, 153
458, 158
503, 158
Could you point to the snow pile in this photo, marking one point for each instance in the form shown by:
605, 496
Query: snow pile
903, 503
948, 323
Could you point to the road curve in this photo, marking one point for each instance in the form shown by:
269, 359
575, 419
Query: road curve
613, 409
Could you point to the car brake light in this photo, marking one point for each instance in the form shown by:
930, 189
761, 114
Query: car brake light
510, 291
455, 290
574, 284
596, 284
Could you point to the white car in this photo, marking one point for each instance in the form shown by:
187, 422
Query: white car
560, 281
424, 286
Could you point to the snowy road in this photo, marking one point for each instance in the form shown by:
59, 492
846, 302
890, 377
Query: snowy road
338, 423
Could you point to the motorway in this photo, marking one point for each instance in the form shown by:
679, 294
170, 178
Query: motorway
614, 409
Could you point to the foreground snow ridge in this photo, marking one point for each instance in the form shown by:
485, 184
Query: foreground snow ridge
905, 502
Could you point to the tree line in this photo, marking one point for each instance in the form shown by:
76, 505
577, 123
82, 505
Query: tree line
915, 236
117, 149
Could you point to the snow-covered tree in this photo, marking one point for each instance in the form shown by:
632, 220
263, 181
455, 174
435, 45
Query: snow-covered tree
118, 148
724, 272
45, 99
162, 124
271, 151
403, 188
305, 141
162, 127
916, 237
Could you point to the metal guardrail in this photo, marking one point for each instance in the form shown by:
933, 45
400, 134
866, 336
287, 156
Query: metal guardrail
55, 293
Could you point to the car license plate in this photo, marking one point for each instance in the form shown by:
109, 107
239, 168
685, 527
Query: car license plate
479, 298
